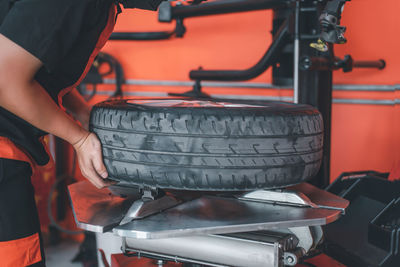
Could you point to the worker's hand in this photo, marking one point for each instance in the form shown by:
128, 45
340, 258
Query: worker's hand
88, 150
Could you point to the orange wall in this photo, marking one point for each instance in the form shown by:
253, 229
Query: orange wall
363, 136
366, 136
211, 42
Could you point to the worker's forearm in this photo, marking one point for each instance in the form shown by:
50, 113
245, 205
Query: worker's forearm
78, 107
31, 102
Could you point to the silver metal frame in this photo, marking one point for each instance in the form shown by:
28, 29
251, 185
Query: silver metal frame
253, 249
267, 228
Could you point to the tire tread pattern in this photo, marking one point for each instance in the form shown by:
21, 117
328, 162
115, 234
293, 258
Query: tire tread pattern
208, 149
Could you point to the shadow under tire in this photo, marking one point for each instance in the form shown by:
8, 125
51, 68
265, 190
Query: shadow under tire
208, 145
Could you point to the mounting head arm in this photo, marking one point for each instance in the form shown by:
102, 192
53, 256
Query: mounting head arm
331, 31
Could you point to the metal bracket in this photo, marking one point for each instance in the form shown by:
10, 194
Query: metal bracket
150, 203
147, 206
280, 197
99, 211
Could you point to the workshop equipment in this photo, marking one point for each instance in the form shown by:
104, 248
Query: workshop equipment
369, 234
298, 28
258, 228
273, 227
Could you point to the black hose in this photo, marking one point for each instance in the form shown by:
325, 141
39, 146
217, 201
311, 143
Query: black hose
115, 66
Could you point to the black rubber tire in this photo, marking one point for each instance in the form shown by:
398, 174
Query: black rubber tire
259, 145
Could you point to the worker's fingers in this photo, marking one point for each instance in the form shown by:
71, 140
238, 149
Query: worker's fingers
84, 165
95, 179
90, 173
97, 159
91, 162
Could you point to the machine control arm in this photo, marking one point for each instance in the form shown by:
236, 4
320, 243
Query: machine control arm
141, 36
168, 13
347, 64
282, 37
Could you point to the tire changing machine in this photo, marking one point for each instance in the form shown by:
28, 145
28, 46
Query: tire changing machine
267, 228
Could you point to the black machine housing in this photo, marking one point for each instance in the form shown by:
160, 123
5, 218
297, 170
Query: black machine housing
369, 234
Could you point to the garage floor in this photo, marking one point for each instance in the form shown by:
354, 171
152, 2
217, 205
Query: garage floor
62, 254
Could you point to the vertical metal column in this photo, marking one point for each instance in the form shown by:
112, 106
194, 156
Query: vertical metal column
315, 87
282, 71
296, 59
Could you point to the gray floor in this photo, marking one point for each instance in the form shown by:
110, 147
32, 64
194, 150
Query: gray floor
62, 254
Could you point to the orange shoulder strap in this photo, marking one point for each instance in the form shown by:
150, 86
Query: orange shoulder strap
9, 150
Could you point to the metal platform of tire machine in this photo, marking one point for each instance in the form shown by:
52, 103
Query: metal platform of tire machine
259, 228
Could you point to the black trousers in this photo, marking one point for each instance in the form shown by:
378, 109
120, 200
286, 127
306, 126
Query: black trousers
18, 213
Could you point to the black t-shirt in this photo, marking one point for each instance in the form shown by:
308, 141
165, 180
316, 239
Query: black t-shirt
62, 34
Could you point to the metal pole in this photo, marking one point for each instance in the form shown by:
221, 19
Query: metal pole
223, 7
315, 86
296, 55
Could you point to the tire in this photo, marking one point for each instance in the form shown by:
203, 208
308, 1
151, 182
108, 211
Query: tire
208, 145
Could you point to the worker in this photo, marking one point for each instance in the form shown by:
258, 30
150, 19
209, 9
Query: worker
46, 48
